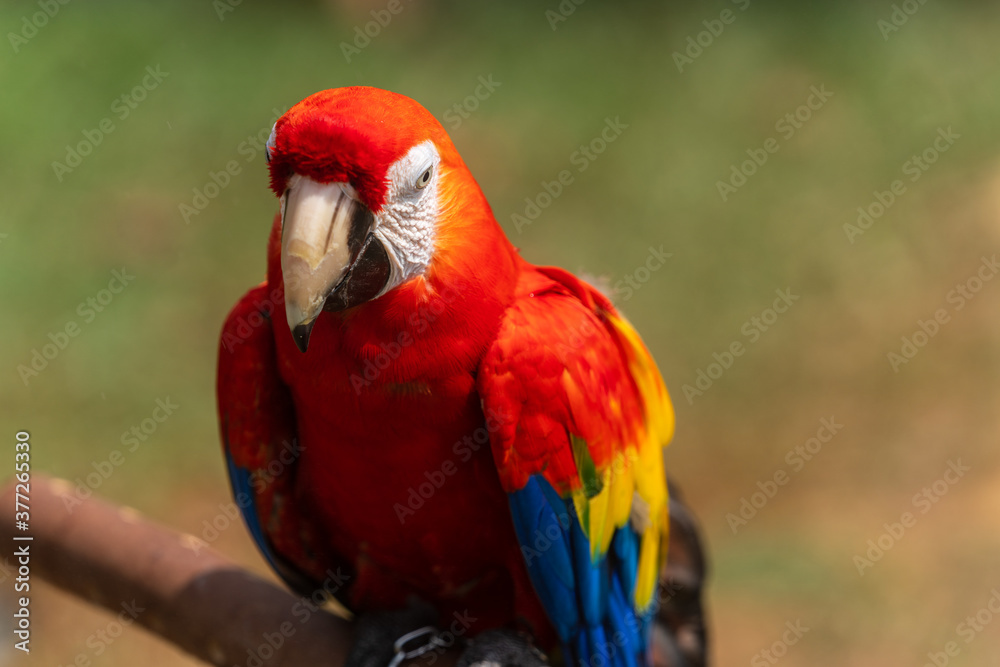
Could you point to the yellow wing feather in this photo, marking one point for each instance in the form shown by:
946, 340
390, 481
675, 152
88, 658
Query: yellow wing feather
634, 486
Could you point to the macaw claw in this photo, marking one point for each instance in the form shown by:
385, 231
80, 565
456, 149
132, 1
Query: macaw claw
376, 633
503, 648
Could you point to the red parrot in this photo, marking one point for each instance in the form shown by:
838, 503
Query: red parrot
409, 401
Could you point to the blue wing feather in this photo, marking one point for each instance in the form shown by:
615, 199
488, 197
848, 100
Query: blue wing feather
545, 547
590, 603
239, 480
624, 622
626, 549
591, 578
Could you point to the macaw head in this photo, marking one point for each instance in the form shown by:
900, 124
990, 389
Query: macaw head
360, 173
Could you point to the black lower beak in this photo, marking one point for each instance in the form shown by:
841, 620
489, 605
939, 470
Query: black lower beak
365, 280
301, 335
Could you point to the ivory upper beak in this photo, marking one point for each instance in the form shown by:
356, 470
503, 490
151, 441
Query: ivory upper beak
317, 236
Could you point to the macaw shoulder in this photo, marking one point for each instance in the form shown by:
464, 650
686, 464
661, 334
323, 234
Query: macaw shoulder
556, 321
554, 294
565, 371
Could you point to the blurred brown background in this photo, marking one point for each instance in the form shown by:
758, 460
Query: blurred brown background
753, 134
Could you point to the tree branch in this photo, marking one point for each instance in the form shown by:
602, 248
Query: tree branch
188, 594
193, 597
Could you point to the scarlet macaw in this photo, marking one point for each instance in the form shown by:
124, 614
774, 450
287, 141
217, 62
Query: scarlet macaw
434, 415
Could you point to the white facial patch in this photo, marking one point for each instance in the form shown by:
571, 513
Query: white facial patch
269, 146
405, 225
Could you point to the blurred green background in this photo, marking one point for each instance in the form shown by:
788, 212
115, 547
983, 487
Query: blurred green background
224, 74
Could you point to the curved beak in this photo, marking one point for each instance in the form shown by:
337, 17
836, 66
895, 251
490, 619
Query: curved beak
325, 240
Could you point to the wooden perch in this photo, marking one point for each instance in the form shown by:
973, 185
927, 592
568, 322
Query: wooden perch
208, 606
189, 594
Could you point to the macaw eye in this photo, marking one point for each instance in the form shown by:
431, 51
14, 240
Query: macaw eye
267, 155
424, 178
